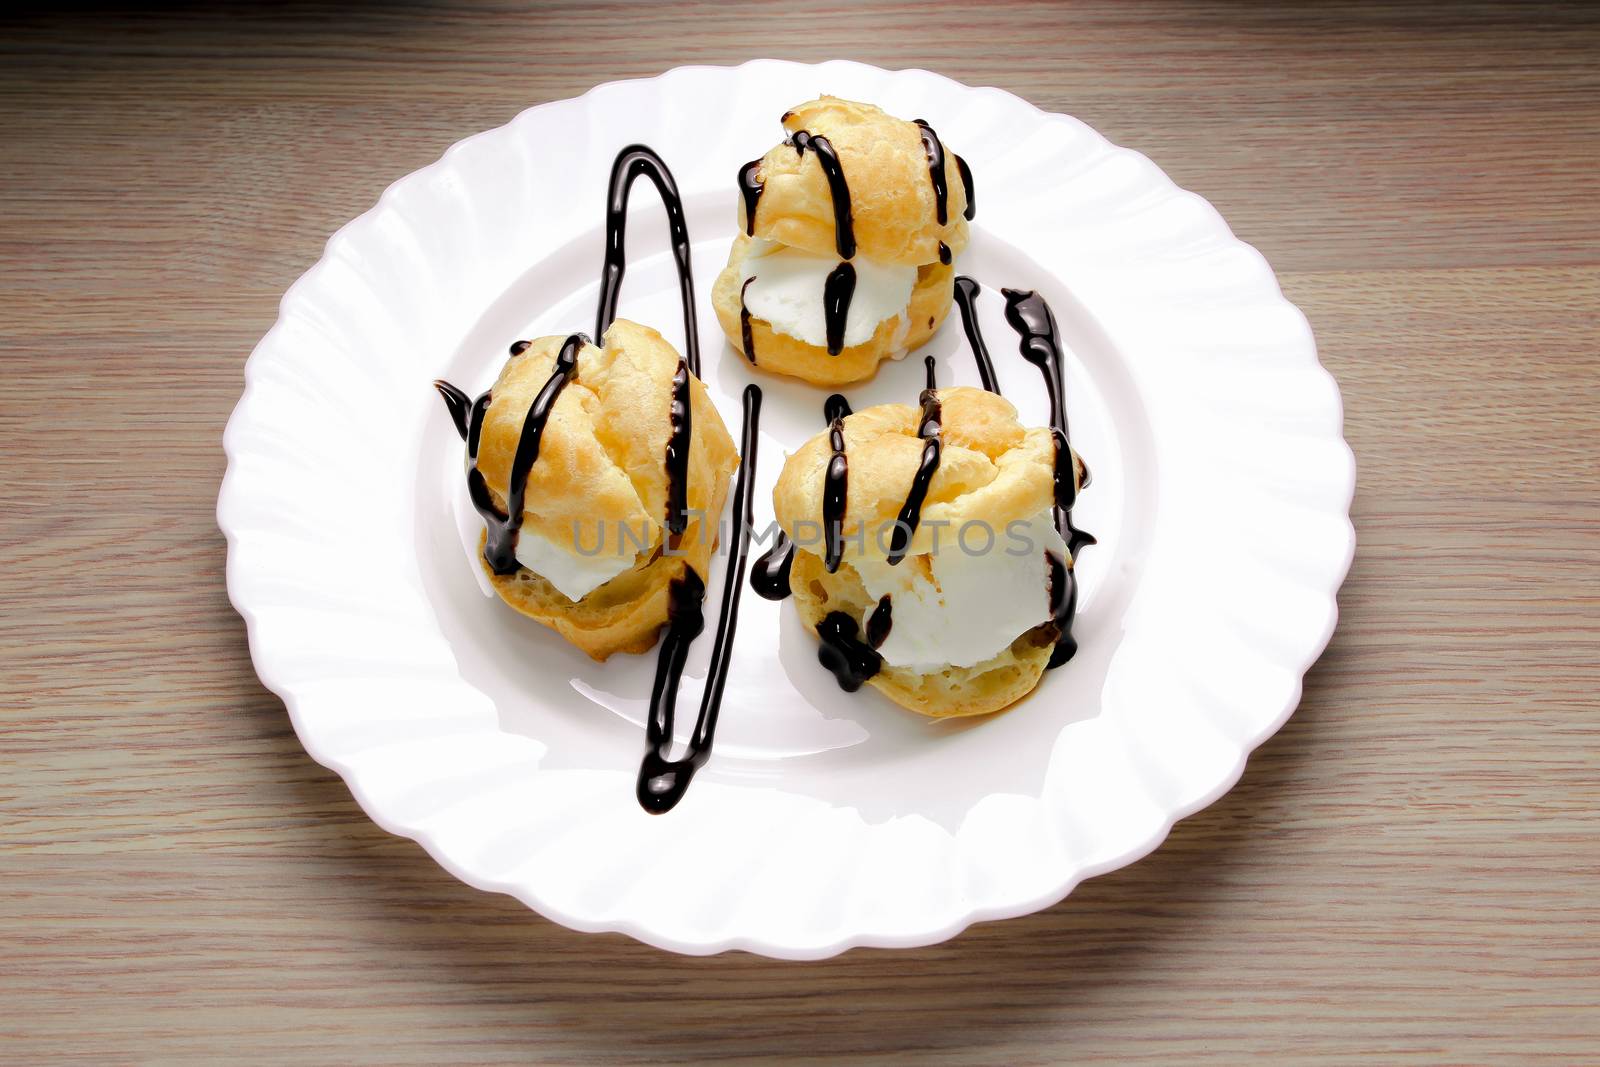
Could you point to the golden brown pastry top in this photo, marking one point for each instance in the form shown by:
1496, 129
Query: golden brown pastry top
891, 194
991, 468
603, 455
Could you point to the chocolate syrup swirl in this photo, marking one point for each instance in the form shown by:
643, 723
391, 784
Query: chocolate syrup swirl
835, 491
911, 511
842, 651
750, 185
966, 186
844, 231
880, 622
744, 324
663, 781
769, 576
500, 547
966, 291
631, 162
836, 295
680, 417
934, 149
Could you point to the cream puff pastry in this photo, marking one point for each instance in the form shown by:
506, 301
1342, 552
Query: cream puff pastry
592, 503
850, 229
926, 550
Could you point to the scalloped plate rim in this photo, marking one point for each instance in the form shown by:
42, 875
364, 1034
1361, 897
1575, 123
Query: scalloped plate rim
865, 939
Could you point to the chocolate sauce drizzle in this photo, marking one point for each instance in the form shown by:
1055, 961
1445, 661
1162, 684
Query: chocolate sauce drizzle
500, 546
844, 232
680, 417
842, 651
911, 511
966, 187
752, 188
744, 324
769, 576
966, 291
663, 781
631, 163
459, 405
934, 149
836, 294
519, 347
944, 253
880, 622
1040, 344
1063, 590
836, 490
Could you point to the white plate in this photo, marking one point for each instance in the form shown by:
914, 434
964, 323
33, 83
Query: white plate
1220, 497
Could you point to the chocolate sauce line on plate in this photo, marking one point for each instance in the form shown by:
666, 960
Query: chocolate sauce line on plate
966, 291
836, 294
744, 323
911, 511
500, 546
844, 232
663, 781
933, 148
632, 162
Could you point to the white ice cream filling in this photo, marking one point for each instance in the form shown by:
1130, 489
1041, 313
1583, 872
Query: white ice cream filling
977, 601
575, 575
788, 287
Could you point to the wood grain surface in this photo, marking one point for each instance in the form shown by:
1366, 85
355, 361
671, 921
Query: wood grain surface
1408, 872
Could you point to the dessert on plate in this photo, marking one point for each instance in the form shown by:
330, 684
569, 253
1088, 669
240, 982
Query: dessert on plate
929, 547
586, 472
850, 229
927, 553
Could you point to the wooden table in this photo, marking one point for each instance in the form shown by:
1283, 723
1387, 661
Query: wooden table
1409, 871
